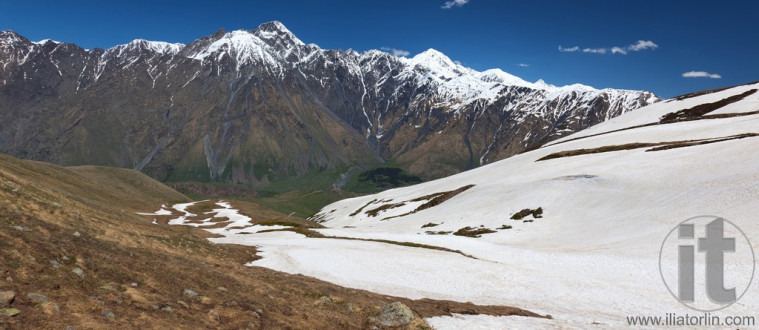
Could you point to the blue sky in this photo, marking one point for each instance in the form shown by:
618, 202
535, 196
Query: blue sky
711, 38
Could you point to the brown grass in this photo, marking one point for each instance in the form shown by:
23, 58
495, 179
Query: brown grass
702, 109
654, 146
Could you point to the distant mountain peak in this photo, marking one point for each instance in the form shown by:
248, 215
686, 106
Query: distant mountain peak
154, 46
275, 30
9, 37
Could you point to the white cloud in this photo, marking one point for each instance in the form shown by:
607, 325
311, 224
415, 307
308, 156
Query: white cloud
396, 52
569, 50
524, 65
642, 45
636, 47
594, 50
701, 74
454, 3
618, 50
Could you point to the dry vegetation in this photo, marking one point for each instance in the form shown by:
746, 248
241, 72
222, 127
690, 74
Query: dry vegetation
658, 146
702, 109
473, 232
72, 235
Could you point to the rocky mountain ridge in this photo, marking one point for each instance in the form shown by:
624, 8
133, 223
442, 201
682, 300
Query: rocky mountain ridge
254, 107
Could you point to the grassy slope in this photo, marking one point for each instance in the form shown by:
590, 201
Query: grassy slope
42, 206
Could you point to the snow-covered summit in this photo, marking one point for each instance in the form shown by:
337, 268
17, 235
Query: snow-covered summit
154, 46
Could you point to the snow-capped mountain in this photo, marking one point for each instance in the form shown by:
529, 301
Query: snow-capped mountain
255, 106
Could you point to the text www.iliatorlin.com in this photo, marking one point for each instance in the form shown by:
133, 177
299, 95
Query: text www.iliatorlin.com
705, 319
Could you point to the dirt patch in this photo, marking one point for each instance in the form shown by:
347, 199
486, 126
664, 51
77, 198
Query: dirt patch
536, 213
654, 146
702, 109
473, 232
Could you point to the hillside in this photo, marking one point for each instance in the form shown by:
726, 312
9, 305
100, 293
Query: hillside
74, 252
572, 229
256, 107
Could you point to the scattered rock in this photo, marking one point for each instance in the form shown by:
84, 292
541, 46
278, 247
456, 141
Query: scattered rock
56, 204
7, 297
221, 288
9, 311
15, 190
190, 293
134, 284
230, 303
395, 314
55, 264
214, 316
78, 271
183, 304
323, 300
167, 309
69, 328
38, 298
20, 228
109, 314
77, 234
259, 311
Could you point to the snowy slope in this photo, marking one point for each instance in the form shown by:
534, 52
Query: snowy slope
593, 255
590, 261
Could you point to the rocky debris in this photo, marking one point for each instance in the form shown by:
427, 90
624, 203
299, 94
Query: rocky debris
77, 234
133, 284
9, 311
109, 314
37, 298
78, 271
55, 264
394, 314
221, 288
20, 228
167, 309
7, 297
190, 293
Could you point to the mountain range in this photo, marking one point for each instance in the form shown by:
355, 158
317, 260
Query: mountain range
260, 106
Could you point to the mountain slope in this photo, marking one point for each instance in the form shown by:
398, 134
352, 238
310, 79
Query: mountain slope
607, 197
257, 106
74, 252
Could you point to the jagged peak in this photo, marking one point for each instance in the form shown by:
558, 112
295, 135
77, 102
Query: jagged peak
155, 46
276, 30
430, 55
498, 75
11, 37
46, 41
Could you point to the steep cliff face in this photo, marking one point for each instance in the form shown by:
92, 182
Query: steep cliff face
257, 106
